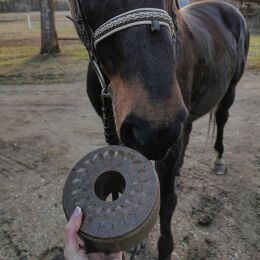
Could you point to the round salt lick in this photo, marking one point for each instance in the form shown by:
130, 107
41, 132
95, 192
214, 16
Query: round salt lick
118, 191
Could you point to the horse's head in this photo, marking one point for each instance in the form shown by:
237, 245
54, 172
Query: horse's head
141, 66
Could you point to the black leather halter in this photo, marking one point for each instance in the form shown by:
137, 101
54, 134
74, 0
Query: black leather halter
153, 16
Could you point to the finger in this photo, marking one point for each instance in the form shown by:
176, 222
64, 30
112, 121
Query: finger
81, 243
114, 256
71, 230
103, 256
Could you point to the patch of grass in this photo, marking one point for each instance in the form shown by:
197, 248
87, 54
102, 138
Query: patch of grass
20, 62
254, 53
23, 65
14, 28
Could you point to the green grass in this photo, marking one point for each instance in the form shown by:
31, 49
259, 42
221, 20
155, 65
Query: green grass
254, 53
23, 65
20, 62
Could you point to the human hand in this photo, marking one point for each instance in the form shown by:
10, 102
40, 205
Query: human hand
72, 249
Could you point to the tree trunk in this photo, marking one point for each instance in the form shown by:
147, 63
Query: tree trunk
49, 42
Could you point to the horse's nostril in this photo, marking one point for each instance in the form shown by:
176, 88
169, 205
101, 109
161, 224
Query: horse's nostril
151, 141
128, 134
134, 131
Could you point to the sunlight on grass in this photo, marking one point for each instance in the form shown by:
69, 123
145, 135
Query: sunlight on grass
254, 53
23, 65
20, 62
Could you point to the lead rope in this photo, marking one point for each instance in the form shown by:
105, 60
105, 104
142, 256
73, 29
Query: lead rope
107, 110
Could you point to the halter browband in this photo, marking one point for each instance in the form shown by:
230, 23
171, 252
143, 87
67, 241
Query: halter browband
141, 16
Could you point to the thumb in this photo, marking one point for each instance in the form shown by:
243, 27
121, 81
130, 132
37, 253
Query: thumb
71, 229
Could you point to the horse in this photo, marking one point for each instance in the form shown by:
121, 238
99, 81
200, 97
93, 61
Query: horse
160, 76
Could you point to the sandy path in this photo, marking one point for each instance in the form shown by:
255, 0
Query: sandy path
46, 129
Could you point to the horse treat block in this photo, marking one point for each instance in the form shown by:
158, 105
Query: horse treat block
118, 191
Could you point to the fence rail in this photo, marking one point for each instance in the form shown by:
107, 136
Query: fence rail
35, 16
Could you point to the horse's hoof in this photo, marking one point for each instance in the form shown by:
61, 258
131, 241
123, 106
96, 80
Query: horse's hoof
59, 257
219, 169
219, 165
166, 258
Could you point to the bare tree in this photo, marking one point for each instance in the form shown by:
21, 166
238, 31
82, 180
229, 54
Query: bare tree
49, 39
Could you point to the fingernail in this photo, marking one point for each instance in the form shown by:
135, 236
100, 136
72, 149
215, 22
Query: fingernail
77, 212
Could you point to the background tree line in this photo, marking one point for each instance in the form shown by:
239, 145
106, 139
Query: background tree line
240, 2
49, 39
29, 5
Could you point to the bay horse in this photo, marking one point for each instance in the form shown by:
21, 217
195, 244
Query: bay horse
162, 76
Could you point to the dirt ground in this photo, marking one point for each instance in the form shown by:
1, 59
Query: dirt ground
46, 129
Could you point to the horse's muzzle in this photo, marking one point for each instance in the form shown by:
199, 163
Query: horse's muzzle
149, 139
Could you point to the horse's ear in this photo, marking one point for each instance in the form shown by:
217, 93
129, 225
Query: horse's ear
73, 8
172, 5
177, 4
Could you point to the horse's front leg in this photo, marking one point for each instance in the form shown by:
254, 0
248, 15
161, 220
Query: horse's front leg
167, 170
